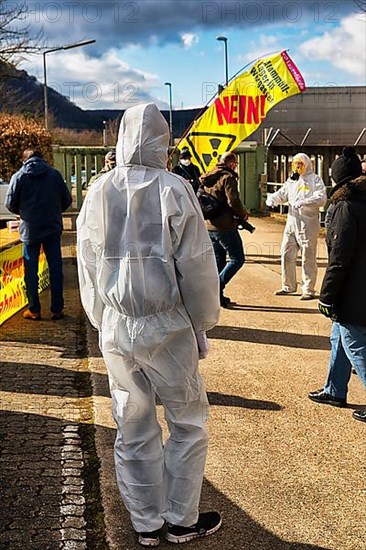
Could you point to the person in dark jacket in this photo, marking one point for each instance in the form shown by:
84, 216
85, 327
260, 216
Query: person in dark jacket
187, 169
345, 168
222, 183
38, 193
343, 293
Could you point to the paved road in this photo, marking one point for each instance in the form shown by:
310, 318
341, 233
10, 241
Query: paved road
286, 473
49, 471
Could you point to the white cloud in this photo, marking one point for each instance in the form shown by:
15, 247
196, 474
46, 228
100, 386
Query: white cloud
344, 47
98, 83
265, 45
189, 39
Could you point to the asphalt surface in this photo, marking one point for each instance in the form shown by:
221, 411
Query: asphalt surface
286, 473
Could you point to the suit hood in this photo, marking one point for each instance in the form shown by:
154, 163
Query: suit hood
143, 137
308, 167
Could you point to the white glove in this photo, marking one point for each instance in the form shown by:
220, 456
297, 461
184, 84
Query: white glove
202, 344
298, 204
270, 202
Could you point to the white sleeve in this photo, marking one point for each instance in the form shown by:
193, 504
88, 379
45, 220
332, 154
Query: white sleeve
195, 264
87, 257
319, 197
280, 196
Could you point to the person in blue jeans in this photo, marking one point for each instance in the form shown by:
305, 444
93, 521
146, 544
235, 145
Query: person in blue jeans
343, 292
38, 193
222, 183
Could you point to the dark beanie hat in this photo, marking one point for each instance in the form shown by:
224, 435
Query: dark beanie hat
346, 167
185, 153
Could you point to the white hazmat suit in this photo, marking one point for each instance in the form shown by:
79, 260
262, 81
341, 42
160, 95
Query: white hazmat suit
304, 196
149, 284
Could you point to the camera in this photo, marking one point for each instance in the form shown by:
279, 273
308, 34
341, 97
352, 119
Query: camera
247, 226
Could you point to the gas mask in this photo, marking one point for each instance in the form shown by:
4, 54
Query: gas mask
298, 169
295, 176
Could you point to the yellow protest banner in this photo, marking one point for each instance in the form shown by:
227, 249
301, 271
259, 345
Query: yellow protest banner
12, 288
241, 108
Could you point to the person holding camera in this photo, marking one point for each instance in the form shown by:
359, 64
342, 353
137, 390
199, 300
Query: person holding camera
305, 193
221, 184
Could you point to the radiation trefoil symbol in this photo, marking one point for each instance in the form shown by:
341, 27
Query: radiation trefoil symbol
208, 146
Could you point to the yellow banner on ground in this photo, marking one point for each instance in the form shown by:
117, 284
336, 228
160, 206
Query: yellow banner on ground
12, 289
241, 108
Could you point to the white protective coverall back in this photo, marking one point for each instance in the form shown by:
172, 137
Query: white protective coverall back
304, 196
148, 283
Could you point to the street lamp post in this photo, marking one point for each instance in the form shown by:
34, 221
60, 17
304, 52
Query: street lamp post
169, 84
104, 133
45, 94
224, 40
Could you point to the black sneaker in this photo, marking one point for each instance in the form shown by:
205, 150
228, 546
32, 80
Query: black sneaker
225, 301
359, 415
320, 396
57, 316
150, 539
207, 524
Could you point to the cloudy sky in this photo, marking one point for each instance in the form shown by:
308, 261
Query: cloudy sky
142, 44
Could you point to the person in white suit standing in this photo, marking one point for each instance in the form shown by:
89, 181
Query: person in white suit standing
149, 284
305, 193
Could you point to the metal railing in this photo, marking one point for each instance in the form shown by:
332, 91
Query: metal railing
78, 165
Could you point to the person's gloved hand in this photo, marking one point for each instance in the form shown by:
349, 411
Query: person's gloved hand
326, 309
299, 204
270, 202
202, 344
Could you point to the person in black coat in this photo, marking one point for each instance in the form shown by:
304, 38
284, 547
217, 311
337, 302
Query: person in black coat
343, 293
187, 169
345, 168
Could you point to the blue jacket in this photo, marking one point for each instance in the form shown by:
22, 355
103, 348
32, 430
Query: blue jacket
38, 193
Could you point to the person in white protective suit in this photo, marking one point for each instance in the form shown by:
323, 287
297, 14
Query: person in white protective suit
149, 284
305, 193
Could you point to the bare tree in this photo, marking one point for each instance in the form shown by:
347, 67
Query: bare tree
112, 127
16, 41
16, 38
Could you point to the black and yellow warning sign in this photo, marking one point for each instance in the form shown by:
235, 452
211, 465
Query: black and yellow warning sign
207, 147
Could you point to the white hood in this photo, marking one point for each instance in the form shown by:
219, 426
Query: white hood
143, 137
306, 160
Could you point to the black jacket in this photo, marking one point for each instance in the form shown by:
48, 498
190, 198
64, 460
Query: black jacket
344, 284
222, 183
191, 173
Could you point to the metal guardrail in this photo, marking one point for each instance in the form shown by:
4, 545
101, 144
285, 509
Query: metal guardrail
77, 165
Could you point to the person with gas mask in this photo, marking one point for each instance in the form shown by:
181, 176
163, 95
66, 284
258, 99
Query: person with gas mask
149, 284
305, 193
187, 169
